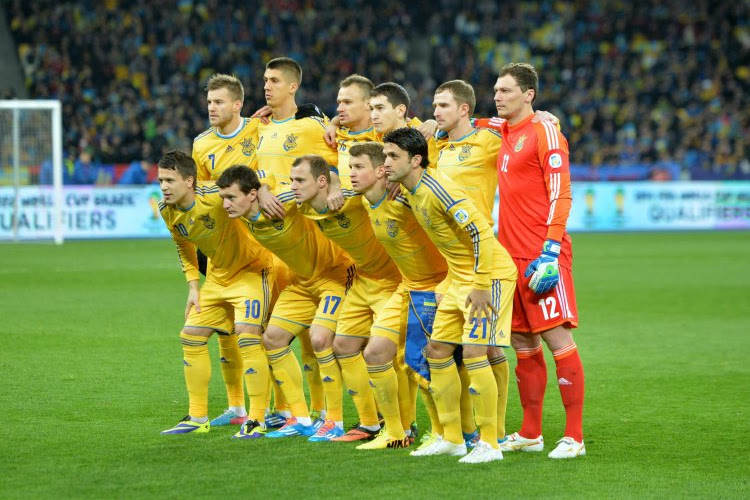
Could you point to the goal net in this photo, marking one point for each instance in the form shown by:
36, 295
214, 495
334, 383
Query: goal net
31, 170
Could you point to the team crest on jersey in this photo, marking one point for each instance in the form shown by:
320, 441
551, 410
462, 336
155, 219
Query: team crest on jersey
465, 152
278, 224
343, 220
519, 143
391, 228
290, 142
207, 221
247, 147
426, 217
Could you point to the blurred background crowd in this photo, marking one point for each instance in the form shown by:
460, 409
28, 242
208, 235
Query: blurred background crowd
645, 89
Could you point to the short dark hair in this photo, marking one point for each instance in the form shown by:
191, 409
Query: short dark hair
318, 166
373, 150
245, 177
462, 93
394, 93
410, 140
180, 162
288, 66
524, 74
364, 83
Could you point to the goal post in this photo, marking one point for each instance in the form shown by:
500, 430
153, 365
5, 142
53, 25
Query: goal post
30, 136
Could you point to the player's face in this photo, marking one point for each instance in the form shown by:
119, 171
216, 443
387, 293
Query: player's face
397, 162
221, 107
278, 89
384, 116
509, 99
352, 105
304, 186
447, 112
237, 203
174, 187
363, 174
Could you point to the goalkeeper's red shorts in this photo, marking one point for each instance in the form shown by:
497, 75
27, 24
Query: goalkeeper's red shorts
538, 313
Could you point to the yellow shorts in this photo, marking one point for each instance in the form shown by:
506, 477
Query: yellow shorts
364, 302
300, 306
452, 323
391, 319
244, 301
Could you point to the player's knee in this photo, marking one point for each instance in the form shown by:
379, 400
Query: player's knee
346, 345
197, 332
321, 342
475, 351
558, 337
373, 356
275, 339
524, 340
438, 350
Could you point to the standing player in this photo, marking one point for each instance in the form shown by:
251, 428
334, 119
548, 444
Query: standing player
468, 156
234, 295
534, 179
377, 279
322, 274
422, 268
479, 297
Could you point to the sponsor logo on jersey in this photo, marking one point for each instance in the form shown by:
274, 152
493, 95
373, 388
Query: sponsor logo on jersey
564, 381
352, 392
307, 368
555, 161
465, 152
461, 216
278, 224
391, 228
250, 371
290, 142
229, 149
247, 147
207, 221
223, 360
327, 379
426, 217
519, 143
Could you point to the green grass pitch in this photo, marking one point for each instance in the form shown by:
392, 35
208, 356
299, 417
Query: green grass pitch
91, 372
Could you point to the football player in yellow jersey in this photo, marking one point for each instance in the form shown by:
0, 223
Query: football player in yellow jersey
469, 157
353, 119
422, 268
236, 292
377, 279
322, 274
482, 277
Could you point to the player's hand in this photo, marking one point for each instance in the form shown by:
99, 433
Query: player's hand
194, 296
330, 135
335, 197
393, 189
544, 270
438, 298
263, 113
427, 129
269, 204
481, 304
545, 116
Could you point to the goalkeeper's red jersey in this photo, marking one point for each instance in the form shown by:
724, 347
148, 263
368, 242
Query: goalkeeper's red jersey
533, 174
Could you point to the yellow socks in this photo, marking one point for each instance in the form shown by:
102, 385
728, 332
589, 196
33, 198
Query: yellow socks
502, 374
255, 364
467, 406
385, 386
288, 377
231, 363
446, 391
333, 387
197, 367
312, 372
483, 392
357, 382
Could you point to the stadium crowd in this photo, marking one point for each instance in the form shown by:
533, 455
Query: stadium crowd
662, 84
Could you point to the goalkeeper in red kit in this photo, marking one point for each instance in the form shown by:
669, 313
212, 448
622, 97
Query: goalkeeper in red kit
535, 198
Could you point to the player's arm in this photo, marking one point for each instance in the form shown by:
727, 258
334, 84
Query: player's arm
553, 154
202, 172
267, 200
467, 216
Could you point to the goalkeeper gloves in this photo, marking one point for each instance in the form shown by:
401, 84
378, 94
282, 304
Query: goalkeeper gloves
544, 270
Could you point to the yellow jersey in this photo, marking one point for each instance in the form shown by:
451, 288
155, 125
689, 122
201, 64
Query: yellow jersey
298, 242
350, 229
471, 162
460, 231
282, 142
213, 152
432, 148
345, 139
226, 242
397, 229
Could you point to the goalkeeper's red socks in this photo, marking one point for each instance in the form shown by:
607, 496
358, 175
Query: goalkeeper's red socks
570, 379
531, 373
